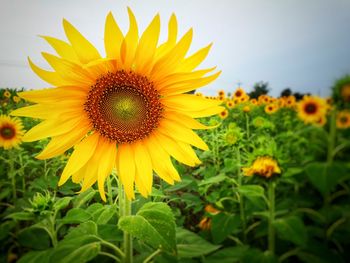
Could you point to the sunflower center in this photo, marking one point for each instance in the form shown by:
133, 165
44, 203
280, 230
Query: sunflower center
310, 108
7, 132
344, 119
124, 106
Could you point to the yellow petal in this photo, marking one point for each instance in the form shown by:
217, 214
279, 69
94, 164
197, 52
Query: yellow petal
161, 162
48, 76
79, 176
50, 128
189, 85
100, 67
144, 173
53, 94
69, 71
187, 102
147, 47
194, 60
80, 156
173, 149
169, 62
186, 120
130, 42
34, 111
179, 132
85, 51
59, 144
126, 169
172, 37
179, 77
106, 165
113, 38
62, 48
204, 112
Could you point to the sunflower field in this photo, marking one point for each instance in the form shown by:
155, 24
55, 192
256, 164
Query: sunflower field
100, 168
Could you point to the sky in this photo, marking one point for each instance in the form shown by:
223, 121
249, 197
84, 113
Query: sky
301, 44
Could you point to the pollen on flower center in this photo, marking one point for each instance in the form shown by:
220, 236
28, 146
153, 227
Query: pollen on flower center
124, 106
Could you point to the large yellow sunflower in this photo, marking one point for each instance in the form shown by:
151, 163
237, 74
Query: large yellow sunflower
11, 132
311, 109
126, 110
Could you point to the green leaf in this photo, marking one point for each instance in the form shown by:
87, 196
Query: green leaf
108, 212
292, 171
227, 255
72, 253
35, 238
251, 190
110, 233
86, 228
5, 229
35, 257
154, 224
22, 216
180, 185
213, 180
62, 203
222, 225
75, 216
84, 197
291, 229
325, 176
191, 245
254, 255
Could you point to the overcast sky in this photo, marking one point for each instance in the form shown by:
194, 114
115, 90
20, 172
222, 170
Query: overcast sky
302, 44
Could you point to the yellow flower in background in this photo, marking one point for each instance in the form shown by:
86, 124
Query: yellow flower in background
290, 101
127, 110
7, 94
205, 224
311, 109
223, 114
271, 108
343, 120
263, 166
11, 132
230, 104
345, 92
16, 99
244, 98
321, 122
246, 109
263, 99
254, 101
211, 210
221, 93
239, 92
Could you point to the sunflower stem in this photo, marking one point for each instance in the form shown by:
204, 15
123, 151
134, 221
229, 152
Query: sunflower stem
125, 209
271, 231
109, 190
12, 176
247, 125
331, 137
241, 200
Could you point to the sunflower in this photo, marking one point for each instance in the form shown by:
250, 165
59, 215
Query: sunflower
263, 166
343, 120
223, 114
246, 109
239, 93
230, 104
311, 109
345, 92
205, 224
11, 132
127, 110
271, 108
321, 122
221, 93
211, 210
7, 94
290, 101
254, 101
16, 99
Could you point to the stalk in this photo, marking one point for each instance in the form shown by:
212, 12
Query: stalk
271, 231
241, 199
125, 210
331, 137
